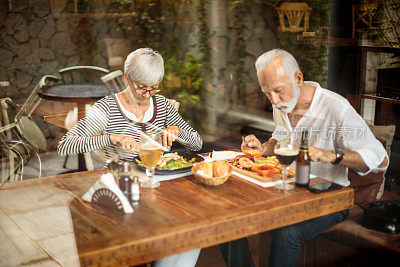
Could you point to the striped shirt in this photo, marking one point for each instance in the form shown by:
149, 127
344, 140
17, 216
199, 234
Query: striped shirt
105, 118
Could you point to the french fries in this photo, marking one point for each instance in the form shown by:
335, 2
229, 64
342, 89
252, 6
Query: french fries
268, 161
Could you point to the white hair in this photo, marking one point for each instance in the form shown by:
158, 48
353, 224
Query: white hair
288, 61
291, 66
144, 65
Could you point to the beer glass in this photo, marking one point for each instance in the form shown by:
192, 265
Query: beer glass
150, 152
286, 151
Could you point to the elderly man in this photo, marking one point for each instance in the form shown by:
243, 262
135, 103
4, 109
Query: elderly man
338, 139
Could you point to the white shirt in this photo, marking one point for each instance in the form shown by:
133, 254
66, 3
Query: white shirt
333, 123
147, 115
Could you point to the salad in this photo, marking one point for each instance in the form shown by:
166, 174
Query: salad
171, 161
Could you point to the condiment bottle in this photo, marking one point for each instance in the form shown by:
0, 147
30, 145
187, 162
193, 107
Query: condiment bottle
303, 163
125, 182
135, 191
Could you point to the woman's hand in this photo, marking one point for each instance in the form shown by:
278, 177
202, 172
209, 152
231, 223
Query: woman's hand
251, 142
127, 143
170, 134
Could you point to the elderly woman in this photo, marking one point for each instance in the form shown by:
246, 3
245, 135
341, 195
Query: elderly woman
115, 123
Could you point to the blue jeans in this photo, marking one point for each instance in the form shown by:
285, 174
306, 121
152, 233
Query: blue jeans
286, 242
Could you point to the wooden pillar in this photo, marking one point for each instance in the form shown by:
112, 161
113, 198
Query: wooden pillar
217, 14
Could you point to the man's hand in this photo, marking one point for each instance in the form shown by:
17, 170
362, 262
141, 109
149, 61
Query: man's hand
170, 134
321, 155
251, 142
127, 143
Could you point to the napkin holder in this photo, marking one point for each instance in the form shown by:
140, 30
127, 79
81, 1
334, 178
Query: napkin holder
106, 193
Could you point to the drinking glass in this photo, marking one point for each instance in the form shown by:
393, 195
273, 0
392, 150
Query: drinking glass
150, 152
286, 151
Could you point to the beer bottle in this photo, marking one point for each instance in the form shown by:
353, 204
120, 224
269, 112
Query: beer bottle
125, 182
303, 163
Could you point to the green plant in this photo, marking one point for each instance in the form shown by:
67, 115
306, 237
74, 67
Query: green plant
203, 34
183, 80
386, 30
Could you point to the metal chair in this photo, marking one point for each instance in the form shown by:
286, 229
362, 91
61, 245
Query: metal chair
15, 149
88, 77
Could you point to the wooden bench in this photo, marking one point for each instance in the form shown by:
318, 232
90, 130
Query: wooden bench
349, 243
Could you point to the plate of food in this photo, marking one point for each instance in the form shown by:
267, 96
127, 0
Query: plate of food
262, 169
172, 163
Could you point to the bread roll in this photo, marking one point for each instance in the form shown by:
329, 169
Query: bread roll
221, 168
205, 169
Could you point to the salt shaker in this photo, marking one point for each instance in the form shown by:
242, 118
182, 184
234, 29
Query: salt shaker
135, 191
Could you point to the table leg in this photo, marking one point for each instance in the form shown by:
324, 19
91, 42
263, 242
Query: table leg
264, 249
81, 163
229, 254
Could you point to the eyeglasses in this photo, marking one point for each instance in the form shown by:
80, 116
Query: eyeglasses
142, 89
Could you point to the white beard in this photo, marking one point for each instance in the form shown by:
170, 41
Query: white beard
289, 106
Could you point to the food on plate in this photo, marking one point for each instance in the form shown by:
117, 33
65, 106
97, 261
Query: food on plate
262, 166
171, 161
253, 153
263, 170
205, 169
246, 162
292, 172
221, 168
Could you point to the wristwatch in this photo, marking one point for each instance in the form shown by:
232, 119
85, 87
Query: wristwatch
339, 156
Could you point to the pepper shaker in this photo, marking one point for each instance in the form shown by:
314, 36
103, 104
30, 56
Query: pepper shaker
125, 182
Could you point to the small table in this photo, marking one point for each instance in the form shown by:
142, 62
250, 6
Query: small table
45, 219
81, 94
78, 93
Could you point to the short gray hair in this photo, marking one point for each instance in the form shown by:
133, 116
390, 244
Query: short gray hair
144, 65
288, 61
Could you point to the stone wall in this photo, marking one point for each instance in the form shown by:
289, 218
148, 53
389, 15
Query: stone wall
35, 42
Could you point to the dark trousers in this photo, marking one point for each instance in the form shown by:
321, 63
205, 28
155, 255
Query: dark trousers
239, 253
286, 242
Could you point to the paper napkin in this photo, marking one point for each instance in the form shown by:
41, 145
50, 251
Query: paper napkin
105, 192
265, 184
222, 155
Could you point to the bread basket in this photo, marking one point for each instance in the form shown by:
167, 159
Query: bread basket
211, 181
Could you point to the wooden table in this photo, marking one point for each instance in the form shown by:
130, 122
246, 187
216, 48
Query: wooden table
56, 112
44, 221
